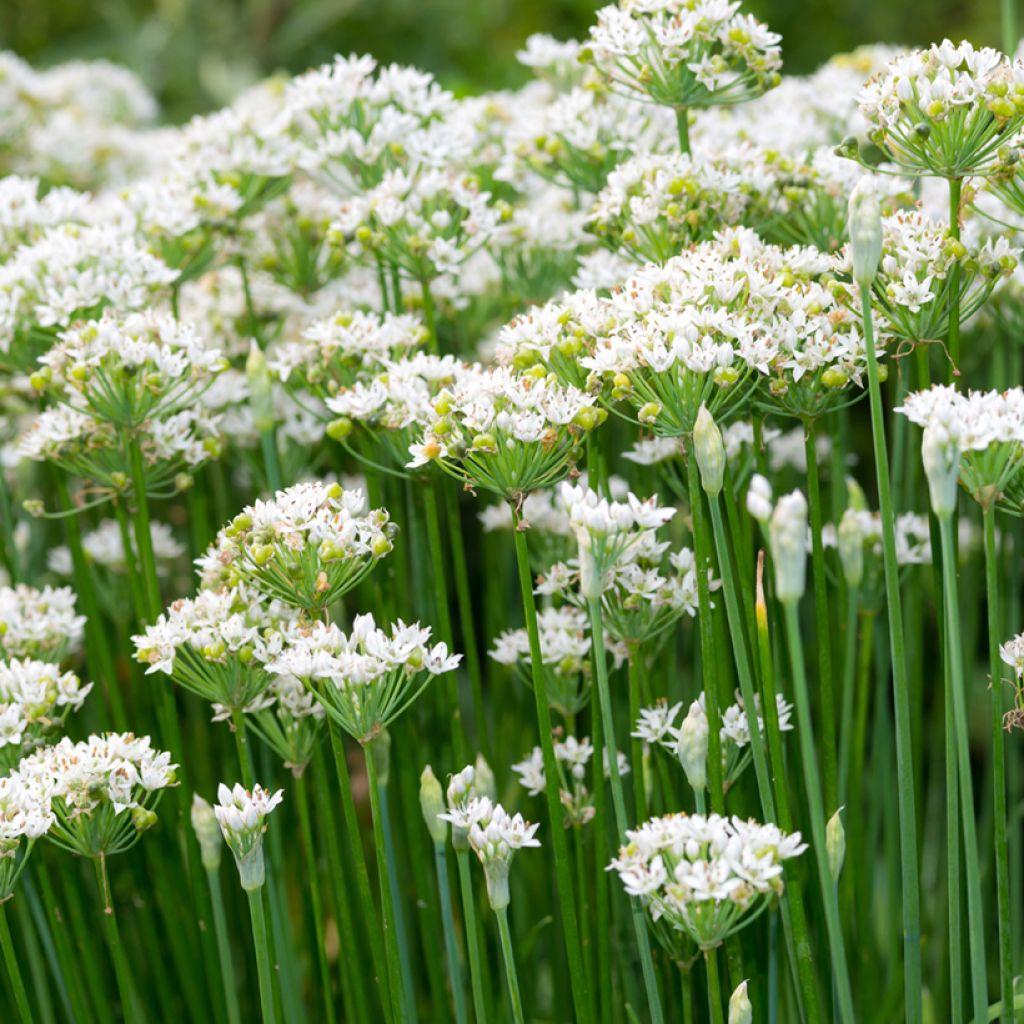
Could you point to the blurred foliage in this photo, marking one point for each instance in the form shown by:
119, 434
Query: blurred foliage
197, 54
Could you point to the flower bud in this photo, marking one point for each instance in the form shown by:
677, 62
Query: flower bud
432, 804
496, 876
941, 457
740, 1009
483, 779
850, 541
261, 399
692, 747
709, 451
204, 822
789, 547
835, 844
759, 498
865, 228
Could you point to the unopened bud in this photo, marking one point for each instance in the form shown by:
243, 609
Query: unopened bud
432, 804
692, 747
941, 458
483, 779
759, 498
740, 1009
789, 547
835, 844
204, 822
865, 228
850, 541
261, 399
710, 452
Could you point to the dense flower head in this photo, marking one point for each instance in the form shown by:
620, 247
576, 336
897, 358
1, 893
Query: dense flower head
306, 546
704, 875
241, 814
39, 622
25, 816
684, 53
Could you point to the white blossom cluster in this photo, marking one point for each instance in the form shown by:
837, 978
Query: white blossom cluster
104, 546
39, 622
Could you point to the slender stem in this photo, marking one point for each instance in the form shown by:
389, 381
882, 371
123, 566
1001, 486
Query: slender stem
451, 946
271, 460
643, 938
910, 885
8, 545
954, 923
563, 863
683, 129
634, 668
401, 999
143, 537
315, 898
1008, 12
968, 821
827, 716
582, 894
846, 716
1001, 844
261, 943
812, 785
955, 186
13, 970
242, 748
430, 319
355, 845
602, 913
714, 987
705, 619
129, 1007
227, 967
510, 966
476, 979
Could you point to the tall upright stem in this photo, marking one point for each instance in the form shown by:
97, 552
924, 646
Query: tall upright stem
451, 946
827, 716
955, 188
634, 669
13, 969
125, 990
476, 978
261, 944
227, 967
1001, 844
508, 955
643, 939
714, 987
968, 824
563, 862
683, 129
910, 885
812, 785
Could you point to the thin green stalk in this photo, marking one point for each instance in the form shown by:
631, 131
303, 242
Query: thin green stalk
401, 997
510, 966
242, 748
1000, 842
451, 945
476, 979
563, 861
812, 786
271, 460
968, 820
953, 364
366, 906
705, 620
1008, 17
439, 576
953, 914
849, 687
13, 969
261, 944
40, 982
315, 898
683, 129
714, 987
643, 939
793, 896
636, 745
910, 884
57, 936
129, 1006
827, 711
143, 537
430, 319
601, 888
582, 892
220, 928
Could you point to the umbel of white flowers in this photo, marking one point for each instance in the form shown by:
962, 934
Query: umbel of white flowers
240, 813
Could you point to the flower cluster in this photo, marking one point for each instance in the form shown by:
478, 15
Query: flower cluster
39, 622
25, 816
241, 814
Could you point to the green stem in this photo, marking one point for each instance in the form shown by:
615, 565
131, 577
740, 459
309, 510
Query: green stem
968, 820
827, 716
849, 688
261, 944
643, 939
220, 927
13, 970
451, 946
582, 894
1008, 13
705, 619
143, 537
812, 786
129, 1007
634, 669
683, 129
953, 916
953, 365
910, 885
510, 966
315, 898
430, 319
602, 913
8, 547
476, 979
401, 998
1002, 850
563, 862
271, 460
714, 987
242, 748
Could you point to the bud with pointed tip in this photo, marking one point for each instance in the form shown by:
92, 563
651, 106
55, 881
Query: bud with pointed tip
740, 1009
941, 457
692, 747
850, 542
204, 822
865, 228
835, 844
709, 451
260, 394
483, 779
432, 804
789, 547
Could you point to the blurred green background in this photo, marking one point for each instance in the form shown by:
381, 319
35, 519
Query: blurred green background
197, 54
